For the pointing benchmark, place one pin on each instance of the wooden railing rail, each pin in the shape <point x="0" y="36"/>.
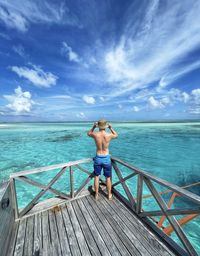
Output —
<point x="136" y="203"/>
<point x="24" y="176"/>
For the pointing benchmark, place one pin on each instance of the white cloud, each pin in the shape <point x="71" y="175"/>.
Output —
<point x="136" y="109"/>
<point x="196" y="95"/>
<point x="19" y="16"/>
<point x="13" y="19"/>
<point x="150" y="49"/>
<point x="19" y="49"/>
<point x="36" y="75"/>
<point x="89" y="99"/>
<point x="154" y="104"/>
<point x="20" y="102"/>
<point x="81" y="115"/>
<point x="65" y="97"/>
<point x="71" y="55"/>
<point x="120" y="106"/>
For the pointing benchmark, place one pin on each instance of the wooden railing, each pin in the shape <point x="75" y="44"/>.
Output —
<point x="135" y="203"/>
<point x="68" y="167"/>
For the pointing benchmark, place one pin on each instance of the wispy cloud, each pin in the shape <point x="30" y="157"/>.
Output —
<point x="19" y="49"/>
<point x="20" y="102"/>
<point x="36" y="75"/>
<point x="70" y="54"/>
<point x="152" y="51"/>
<point x="20" y="16"/>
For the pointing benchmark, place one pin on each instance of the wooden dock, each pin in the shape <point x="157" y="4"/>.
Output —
<point x="86" y="227"/>
<point x="77" y="224"/>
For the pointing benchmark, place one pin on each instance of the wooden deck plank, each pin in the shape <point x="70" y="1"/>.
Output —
<point x="46" y="240"/>
<point x="75" y="251"/>
<point x="86" y="230"/>
<point x="98" y="232"/>
<point x="117" y="228"/>
<point x="131" y="234"/>
<point x="64" y="242"/>
<point x="78" y="232"/>
<point x="54" y="234"/>
<point x="135" y="229"/>
<point x="37" y="243"/>
<point x="102" y="224"/>
<point x="19" y="247"/>
<point x="152" y="239"/>
<point x="28" y="244"/>
<point x="85" y="226"/>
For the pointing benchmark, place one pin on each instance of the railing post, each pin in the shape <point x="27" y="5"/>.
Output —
<point x="139" y="193"/>
<point x="71" y="182"/>
<point x="14" y="198"/>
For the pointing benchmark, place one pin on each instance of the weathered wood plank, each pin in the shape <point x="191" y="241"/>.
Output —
<point x="64" y="243"/>
<point x="48" y="168"/>
<point x="125" y="187"/>
<point x="13" y="239"/>
<point x="152" y="239"/>
<point x="14" y="198"/>
<point x="100" y="235"/>
<point x="46" y="240"/>
<point x="41" y="193"/>
<point x="79" y="235"/>
<point x="94" y="250"/>
<point x="37" y="243"/>
<point x="195" y="198"/>
<point x="104" y="226"/>
<point x="54" y="234"/>
<point x="39" y="185"/>
<point x="124" y="179"/>
<point x="172" y="220"/>
<point x="137" y="243"/>
<point x="71" y="182"/>
<point x="82" y="169"/>
<point x="135" y="230"/>
<point x="74" y="247"/>
<point x="116" y="225"/>
<point x="169" y="212"/>
<point x="139" y="194"/>
<point x="81" y="188"/>
<point x="28" y="243"/>
<point x="19" y="247"/>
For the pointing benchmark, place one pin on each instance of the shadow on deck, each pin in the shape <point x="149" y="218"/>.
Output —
<point x="86" y="227"/>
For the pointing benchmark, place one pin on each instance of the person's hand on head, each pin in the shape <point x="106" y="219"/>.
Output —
<point x="95" y="124"/>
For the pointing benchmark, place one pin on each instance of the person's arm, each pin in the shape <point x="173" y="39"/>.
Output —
<point x="91" y="131"/>
<point x="113" y="132"/>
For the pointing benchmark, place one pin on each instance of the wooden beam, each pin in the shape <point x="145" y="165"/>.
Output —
<point x="51" y="167"/>
<point x="193" y="197"/>
<point x="139" y="193"/>
<point x="39" y="185"/>
<point x="171" y="212"/>
<point x="83" y="185"/>
<point x="125" y="187"/>
<point x="71" y="182"/>
<point x="41" y="193"/>
<point x="124" y="179"/>
<point x="82" y="169"/>
<point x="14" y="198"/>
<point x="172" y="220"/>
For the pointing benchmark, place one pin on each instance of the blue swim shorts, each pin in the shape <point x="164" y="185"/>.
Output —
<point x="102" y="162"/>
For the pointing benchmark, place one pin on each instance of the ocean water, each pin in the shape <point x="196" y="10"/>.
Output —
<point x="168" y="150"/>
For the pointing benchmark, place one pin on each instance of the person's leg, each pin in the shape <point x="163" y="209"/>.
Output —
<point x="96" y="186"/>
<point x="109" y="187"/>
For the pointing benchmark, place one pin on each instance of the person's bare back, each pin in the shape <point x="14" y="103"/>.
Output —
<point x="102" y="158"/>
<point x="102" y="139"/>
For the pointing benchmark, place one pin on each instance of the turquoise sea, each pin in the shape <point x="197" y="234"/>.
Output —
<point x="168" y="150"/>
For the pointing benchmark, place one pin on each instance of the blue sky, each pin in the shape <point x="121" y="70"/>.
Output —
<point x="113" y="59"/>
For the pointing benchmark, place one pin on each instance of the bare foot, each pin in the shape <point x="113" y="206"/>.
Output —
<point x="96" y="196"/>
<point x="110" y="197"/>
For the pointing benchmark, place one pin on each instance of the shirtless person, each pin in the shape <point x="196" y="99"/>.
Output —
<point x="102" y="159"/>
